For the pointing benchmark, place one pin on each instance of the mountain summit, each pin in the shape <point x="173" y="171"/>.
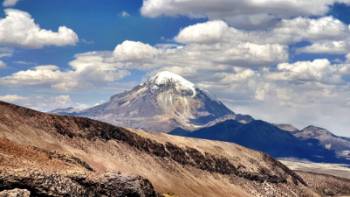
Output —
<point x="162" y="103"/>
<point x="169" y="79"/>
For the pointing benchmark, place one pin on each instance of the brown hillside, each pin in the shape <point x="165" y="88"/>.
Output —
<point x="174" y="165"/>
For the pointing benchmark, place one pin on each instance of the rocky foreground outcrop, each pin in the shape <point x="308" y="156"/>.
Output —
<point x="30" y="171"/>
<point x="41" y="183"/>
<point x="15" y="193"/>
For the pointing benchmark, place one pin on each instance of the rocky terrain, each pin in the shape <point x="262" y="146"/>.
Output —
<point x="49" y="155"/>
<point x="327" y="185"/>
<point x="30" y="171"/>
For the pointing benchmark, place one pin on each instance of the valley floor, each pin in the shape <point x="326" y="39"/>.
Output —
<point x="337" y="170"/>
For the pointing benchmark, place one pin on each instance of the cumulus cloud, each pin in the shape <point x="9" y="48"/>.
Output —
<point x="44" y="74"/>
<point x="211" y="48"/>
<point x="326" y="47"/>
<point x="239" y="75"/>
<point x="299" y="29"/>
<point x="134" y="51"/>
<point x="320" y="70"/>
<point x="19" y="29"/>
<point x="203" y="48"/>
<point x="82" y="75"/>
<point x="286" y="31"/>
<point x="216" y="41"/>
<point x="248" y="13"/>
<point x="208" y="32"/>
<point x="87" y="69"/>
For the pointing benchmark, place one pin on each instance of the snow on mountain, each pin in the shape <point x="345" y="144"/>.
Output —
<point x="166" y="77"/>
<point x="162" y="103"/>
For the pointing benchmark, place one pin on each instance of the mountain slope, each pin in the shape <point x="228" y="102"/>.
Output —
<point x="176" y="165"/>
<point x="340" y="145"/>
<point x="266" y="137"/>
<point x="164" y="102"/>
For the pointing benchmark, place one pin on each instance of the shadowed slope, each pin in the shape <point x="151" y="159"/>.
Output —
<point x="266" y="137"/>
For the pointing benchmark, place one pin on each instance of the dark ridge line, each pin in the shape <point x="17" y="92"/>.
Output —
<point x="188" y="156"/>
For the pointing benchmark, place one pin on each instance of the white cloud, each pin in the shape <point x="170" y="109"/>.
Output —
<point x="44" y="74"/>
<point x="89" y="69"/>
<point x="84" y="73"/>
<point x="210" y="48"/>
<point x="239" y="75"/>
<point x="215" y="41"/>
<point x="19" y="29"/>
<point x="286" y="31"/>
<point x="319" y="70"/>
<point x="9" y="3"/>
<point x="246" y="13"/>
<point x="209" y="32"/>
<point x="299" y="29"/>
<point x="326" y="47"/>
<point x="134" y="51"/>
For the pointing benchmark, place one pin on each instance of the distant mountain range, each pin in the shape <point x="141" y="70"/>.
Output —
<point x="266" y="137"/>
<point x="341" y="145"/>
<point x="167" y="102"/>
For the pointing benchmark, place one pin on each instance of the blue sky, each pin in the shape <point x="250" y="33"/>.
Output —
<point x="280" y="61"/>
<point x="100" y="26"/>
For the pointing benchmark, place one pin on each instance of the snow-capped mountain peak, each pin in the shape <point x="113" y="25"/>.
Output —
<point x="162" y="103"/>
<point x="166" y="78"/>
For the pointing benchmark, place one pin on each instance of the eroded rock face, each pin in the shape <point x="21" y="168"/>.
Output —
<point x="327" y="185"/>
<point x="184" y="156"/>
<point x="39" y="183"/>
<point x="15" y="193"/>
